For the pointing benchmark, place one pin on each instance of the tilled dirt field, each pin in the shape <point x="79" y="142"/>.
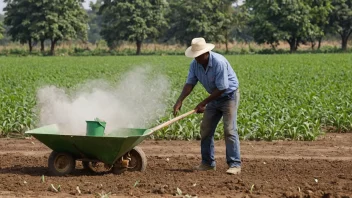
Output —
<point x="321" y="168"/>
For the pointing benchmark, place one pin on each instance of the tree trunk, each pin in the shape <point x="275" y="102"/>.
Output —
<point x="52" y="47"/>
<point x="293" y="45"/>
<point x="313" y="43"/>
<point x="273" y="46"/>
<point x="297" y="44"/>
<point x="30" y="45"/>
<point x="42" y="45"/>
<point x="344" y="36"/>
<point x="319" y="42"/>
<point x="155" y="45"/>
<point x="344" y="43"/>
<point x="139" y="45"/>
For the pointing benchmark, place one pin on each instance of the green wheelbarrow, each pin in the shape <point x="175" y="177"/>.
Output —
<point x="116" y="152"/>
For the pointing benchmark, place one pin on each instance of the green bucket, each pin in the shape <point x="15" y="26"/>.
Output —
<point x="95" y="128"/>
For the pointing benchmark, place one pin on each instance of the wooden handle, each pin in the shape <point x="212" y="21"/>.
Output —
<point x="152" y="130"/>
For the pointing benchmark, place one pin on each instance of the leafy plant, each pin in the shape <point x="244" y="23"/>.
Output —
<point x="295" y="97"/>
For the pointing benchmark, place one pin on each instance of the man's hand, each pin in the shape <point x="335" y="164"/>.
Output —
<point x="187" y="89"/>
<point x="177" y="107"/>
<point x="200" y="108"/>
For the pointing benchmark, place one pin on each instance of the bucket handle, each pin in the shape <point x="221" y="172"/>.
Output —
<point x="102" y="124"/>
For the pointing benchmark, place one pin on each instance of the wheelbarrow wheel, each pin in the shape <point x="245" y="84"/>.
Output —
<point x="137" y="161"/>
<point x="60" y="163"/>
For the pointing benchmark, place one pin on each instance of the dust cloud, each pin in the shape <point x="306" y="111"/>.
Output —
<point x="136" y="100"/>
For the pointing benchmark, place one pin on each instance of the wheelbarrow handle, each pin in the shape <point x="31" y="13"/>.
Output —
<point x="152" y="130"/>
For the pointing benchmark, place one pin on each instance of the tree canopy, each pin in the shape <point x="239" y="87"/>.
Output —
<point x="31" y="20"/>
<point x="2" y="30"/>
<point x="132" y="20"/>
<point x="18" y="17"/>
<point x="341" y="20"/>
<point x="211" y="19"/>
<point x="178" y="21"/>
<point x="94" y="21"/>
<point x="292" y="21"/>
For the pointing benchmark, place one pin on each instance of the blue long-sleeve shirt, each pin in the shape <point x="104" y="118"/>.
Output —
<point x="218" y="74"/>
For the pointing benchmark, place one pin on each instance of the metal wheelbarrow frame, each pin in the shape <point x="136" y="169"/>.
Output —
<point x="117" y="151"/>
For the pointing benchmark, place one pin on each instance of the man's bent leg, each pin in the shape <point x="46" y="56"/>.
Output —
<point x="229" y="109"/>
<point x="210" y="120"/>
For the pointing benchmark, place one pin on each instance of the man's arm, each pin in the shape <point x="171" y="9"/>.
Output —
<point x="187" y="89"/>
<point x="216" y="93"/>
<point x="201" y="106"/>
<point x="221" y="83"/>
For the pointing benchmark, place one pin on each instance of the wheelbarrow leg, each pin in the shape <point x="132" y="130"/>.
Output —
<point x="96" y="166"/>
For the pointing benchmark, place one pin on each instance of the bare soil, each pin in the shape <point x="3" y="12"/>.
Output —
<point x="322" y="168"/>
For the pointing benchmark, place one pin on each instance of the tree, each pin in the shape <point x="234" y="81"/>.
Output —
<point x="320" y="11"/>
<point x="241" y="30"/>
<point x="341" y="20"/>
<point x="27" y="21"/>
<point x="18" y="18"/>
<point x="264" y="31"/>
<point x="65" y="20"/>
<point x="94" y="21"/>
<point x="4" y="39"/>
<point x="224" y="17"/>
<point x="32" y="20"/>
<point x="39" y="27"/>
<point x="132" y="20"/>
<point x="2" y="29"/>
<point x="211" y="19"/>
<point x="277" y="20"/>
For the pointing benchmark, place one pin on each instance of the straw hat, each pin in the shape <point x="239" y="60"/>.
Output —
<point x="199" y="47"/>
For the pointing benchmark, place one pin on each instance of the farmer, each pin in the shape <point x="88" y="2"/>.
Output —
<point x="215" y="73"/>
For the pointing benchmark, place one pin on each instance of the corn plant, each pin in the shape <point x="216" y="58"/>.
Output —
<point x="282" y="97"/>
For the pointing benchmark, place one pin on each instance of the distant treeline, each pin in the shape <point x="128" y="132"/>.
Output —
<point x="295" y="22"/>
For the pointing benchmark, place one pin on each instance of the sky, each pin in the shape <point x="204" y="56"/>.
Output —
<point x="85" y="4"/>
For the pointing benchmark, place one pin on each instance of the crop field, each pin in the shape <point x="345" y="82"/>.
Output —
<point x="282" y="96"/>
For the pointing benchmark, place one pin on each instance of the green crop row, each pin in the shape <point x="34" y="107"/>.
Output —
<point x="282" y="96"/>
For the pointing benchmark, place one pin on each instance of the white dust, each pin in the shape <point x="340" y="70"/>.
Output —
<point x="134" y="102"/>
